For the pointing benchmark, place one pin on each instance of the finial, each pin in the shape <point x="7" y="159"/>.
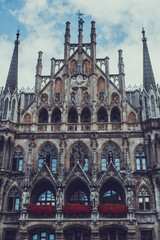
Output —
<point x="143" y="33"/>
<point x="17" y="34"/>
<point x="80" y="20"/>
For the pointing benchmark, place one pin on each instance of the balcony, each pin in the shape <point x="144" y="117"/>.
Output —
<point x="70" y="127"/>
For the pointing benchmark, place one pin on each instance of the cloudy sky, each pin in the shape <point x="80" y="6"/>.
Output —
<point x="42" y="25"/>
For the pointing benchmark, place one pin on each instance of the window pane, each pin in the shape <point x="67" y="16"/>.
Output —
<point x="20" y="164"/>
<point x="10" y="234"/>
<point x="144" y="163"/>
<point x="40" y="163"/>
<point x="54" y="164"/>
<point x="103" y="164"/>
<point x="16" y="204"/>
<point x="35" y="237"/>
<point x="138" y="163"/>
<point x="85" y="164"/>
<point x="51" y="236"/>
<point x="146" y="235"/>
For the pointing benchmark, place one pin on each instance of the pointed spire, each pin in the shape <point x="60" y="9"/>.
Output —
<point x="12" y="79"/>
<point x="148" y="77"/>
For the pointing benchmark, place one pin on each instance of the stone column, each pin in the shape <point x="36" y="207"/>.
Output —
<point x="4" y="154"/>
<point x="11" y="155"/>
<point x="152" y="137"/>
<point x="146" y="142"/>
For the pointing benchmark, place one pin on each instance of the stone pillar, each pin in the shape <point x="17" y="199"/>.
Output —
<point x="146" y="142"/>
<point x="59" y="234"/>
<point x="4" y="154"/>
<point x="95" y="234"/>
<point x="49" y="116"/>
<point x="11" y="155"/>
<point x="153" y="152"/>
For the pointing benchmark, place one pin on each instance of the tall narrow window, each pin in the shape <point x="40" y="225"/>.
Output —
<point x="73" y="96"/>
<point x="110" y="153"/>
<point x="144" y="199"/>
<point x="146" y="107"/>
<point x="17" y="163"/>
<point x="13" y="109"/>
<point x="86" y="96"/>
<point x="14" y="200"/>
<point x="5" y="109"/>
<point x="10" y="234"/>
<point x="26" y="101"/>
<point x="153" y="107"/>
<point x="101" y="96"/>
<point x="140" y="158"/>
<point x="146" y="235"/>
<point x="43" y="116"/>
<point x="58" y="96"/>
<point x="48" y="154"/>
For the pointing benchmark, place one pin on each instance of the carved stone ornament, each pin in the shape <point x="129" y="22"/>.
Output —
<point x="79" y="81"/>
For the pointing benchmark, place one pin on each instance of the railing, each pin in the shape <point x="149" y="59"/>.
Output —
<point x="70" y="127"/>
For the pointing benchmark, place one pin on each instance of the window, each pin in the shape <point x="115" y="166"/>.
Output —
<point x="146" y="107"/>
<point x="26" y="101"/>
<point x="85" y="115"/>
<point x="14" y="200"/>
<point x="80" y="153"/>
<point x="58" y="96"/>
<point x="77" y="234"/>
<point x="111" y="196"/>
<point x="86" y="96"/>
<point x="5" y="109"/>
<point x="43" y="116"/>
<point x="153" y="107"/>
<point x="101" y="96"/>
<point x="42" y="234"/>
<point x="140" y="158"/>
<point x="110" y="153"/>
<point x="115" y="115"/>
<point x="10" y="234"/>
<point x="113" y="234"/>
<point x="72" y="116"/>
<point x="48" y="154"/>
<point x="47" y="197"/>
<point x="77" y="193"/>
<point x="146" y="235"/>
<point x="144" y="199"/>
<point x="56" y="116"/>
<point x="17" y="163"/>
<point x="13" y="109"/>
<point x="73" y="96"/>
<point x="102" y="115"/>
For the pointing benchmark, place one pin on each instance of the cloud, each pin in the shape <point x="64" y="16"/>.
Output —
<point x="118" y="26"/>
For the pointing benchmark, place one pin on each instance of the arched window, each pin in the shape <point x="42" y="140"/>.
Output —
<point x="115" y="115"/>
<point x="43" y="116"/>
<point x="80" y="153"/>
<point x="77" y="193"/>
<point x="113" y="233"/>
<point x="77" y="233"/>
<point x="101" y="96"/>
<point x="13" y="109"/>
<point x="86" y="67"/>
<point x="140" y="158"/>
<point x="72" y="116"/>
<point x="5" y="109"/>
<point x="56" y="116"/>
<point x="48" y="154"/>
<point x="42" y="233"/>
<point x="73" y="67"/>
<point x="14" y="200"/>
<point x="146" y="107"/>
<point x="144" y="199"/>
<point x="86" y="96"/>
<point x="73" y="96"/>
<point x="85" y="115"/>
<point x="58" y="96"/>
<point x="110" y="153"/>
<point x="47" y="197"/>
<point x="17" y="163"/>
<point x="153" y="107"/>
<point x="102" y="115"/>
<point x="112" y="192"/>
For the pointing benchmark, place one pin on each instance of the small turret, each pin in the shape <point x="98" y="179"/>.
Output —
<point x="121" y="72"/>
<point x="93" y="46"/>
<point x="67" y="42"/>
<point x="38" y="73"/>
<point x="12" y="79"/>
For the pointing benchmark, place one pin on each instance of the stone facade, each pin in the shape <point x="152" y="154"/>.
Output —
<point x="80" y="138"/>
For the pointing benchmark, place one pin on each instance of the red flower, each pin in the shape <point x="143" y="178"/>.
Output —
<point x="113" y="210"/>
<point x="77" y="210"/>
<point x="41" y="210"/>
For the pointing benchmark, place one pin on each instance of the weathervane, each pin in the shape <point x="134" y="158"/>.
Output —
<point x="80" y="20"/>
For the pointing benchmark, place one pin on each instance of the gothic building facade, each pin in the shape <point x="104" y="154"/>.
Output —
<point x="80" y="156"/>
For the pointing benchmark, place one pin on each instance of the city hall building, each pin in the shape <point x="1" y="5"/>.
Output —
<point x="80" y="156"/>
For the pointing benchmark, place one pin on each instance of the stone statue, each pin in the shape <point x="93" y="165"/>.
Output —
<point x="94" y="198"/>
<point x="80" y="23"/>
<point x="130" y="198"/>
<point x="59" y="198"/>
<point x="25" y="198"/>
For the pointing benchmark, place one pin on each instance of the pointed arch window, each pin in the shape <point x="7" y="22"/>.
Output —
<point x="47" y="197"/>
<point x="85" y="115"/>
<point x="43" y="116"/>
<point x="80" y="153"/>
<point x="14" y="200"/>
<point x="102" y="115"/>
<point x="146" y="107"/>
<point x="144" y="199"/>
<point x="72" y="116"/>
<point x="48" y="154"/>
<point x="56" y="116"/>
<point x="110" y="153"/>
<point x="153" y="107"/>
<point x="26" y="101"/>
<point x="17" y="163"/>
<point x="58" y="96"/>
<point x="115" y="115"/>
<point x="5" y="109"/>
<point x="13" y="109"/>
<point x="86" y="96"/>
<point x="140" y="158"/>
<point x="101" y="96"/>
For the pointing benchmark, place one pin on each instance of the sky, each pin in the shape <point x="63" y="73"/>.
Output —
<point x="42" y="26"/>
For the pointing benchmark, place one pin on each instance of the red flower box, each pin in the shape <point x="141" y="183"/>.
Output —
<point x="41" y="210"/>
<point x="77" y="210"/>
<point x="113" y="210"/>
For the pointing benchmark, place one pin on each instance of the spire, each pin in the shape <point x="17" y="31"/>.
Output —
<point x="80" y="28"/>
<point x="148" y="77"/>
<point x="12" y="79"/>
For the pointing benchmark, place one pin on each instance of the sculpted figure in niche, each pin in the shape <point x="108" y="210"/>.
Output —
<point x="59" y="198"/>
<point x="130" y="198"/>
<point x="25" y="198"/>
<point x="27" y="119"/>
<point x="94" y="198"/>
